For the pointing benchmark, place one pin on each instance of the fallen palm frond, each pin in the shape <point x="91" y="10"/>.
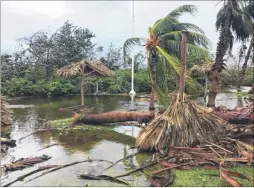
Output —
<point x="103" y="177"/>
<point x="5" y="113"/>
<point x="226" y="175"/>
<point x="127" y="157"/>
<point x="20" y="178"/>
<point x="184" y="123"/>
<point x="24" y="163"/>
<point x="67" y="165"/>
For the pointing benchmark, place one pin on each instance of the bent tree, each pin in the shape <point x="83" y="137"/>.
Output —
<point x="249" y="15"/>
<point x="163" y="47"/>
<point x="230" y="22"/>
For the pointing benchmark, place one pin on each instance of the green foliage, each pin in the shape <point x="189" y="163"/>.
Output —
<point x="231" y="77"/>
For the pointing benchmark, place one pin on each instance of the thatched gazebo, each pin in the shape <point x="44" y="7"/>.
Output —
<point x="85" y="68"/>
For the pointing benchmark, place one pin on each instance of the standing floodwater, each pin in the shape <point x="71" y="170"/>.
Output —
<point x="109" y="143"/>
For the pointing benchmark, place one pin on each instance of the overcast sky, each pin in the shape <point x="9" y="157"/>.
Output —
<point x="111" y="21"/>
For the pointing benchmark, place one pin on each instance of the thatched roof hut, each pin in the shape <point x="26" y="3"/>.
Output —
<point x="84" y="67"/>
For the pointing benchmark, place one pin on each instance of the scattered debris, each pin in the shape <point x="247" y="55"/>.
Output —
<point x="24" y="163"/>
<point x="67" y="165"/>
<point x="48" y="146"/>
<point x="20" y="178"/>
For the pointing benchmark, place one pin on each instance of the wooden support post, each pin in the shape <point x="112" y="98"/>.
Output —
<point x="82" y="89"/>
<point x="97" y="89"/>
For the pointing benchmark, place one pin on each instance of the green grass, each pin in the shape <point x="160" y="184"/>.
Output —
<point x="206" y="178"/>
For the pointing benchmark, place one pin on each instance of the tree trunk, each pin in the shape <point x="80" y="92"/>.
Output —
<point x="82" y="90"/>
<point x="112" y="117"/>
<point x="48" y="72"/>
<point x="152" y="63"/>
<point x="222" y="48"/>
<point x="247" y="57"/>
<point x="236" y="116"/>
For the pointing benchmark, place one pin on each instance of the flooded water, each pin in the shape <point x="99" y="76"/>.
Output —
<point x="111" y="145"/>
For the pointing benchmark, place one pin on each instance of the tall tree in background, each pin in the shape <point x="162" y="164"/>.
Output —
<point x="114" y="57"/>
<point x="249" y="15"/>
<point x="229" y="22"/>
<point x="163" y="47"/>
<point x="68" y="44"/>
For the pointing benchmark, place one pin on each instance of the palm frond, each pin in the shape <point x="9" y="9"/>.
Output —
<point x="187" y="26"/>
<point x="175" y="63"/>
<point x="192" y="37"/>
<point x="130" y="43"/>
<point x="179" y="11"/>
<point x="161" y="90"/>
<point x="162" y="25"/>
<point x="194" y="52"/>
<point x="172" y="61"/>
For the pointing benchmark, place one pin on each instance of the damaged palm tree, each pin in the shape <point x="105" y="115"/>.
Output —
<point x="184" y="123"/>
<point x="5" y="113"/>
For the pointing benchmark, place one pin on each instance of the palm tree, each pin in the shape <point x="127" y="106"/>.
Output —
<point x="249" y="15"/>
<point x="163" y="46"/>
<point x="230" y="22"/>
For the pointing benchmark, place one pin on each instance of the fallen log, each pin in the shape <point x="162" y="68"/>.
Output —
<point x="236" y="116"/>
<point x="111" y="117"/>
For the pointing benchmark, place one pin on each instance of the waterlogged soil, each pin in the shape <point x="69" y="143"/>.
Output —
<point x="91" y="142"/>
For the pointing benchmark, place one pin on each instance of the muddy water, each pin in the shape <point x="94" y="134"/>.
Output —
<point x="111" y="145"/>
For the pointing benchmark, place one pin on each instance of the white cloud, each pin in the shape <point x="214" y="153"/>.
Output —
<point x="53" y="9"/>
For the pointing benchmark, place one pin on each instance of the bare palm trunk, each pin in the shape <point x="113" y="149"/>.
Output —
<point x="183" y="60"/>
<point x="247" y="57"/>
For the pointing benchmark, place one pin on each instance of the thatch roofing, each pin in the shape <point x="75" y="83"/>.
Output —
<point x="91" y="68"/>
<point x="204" y="69"/>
